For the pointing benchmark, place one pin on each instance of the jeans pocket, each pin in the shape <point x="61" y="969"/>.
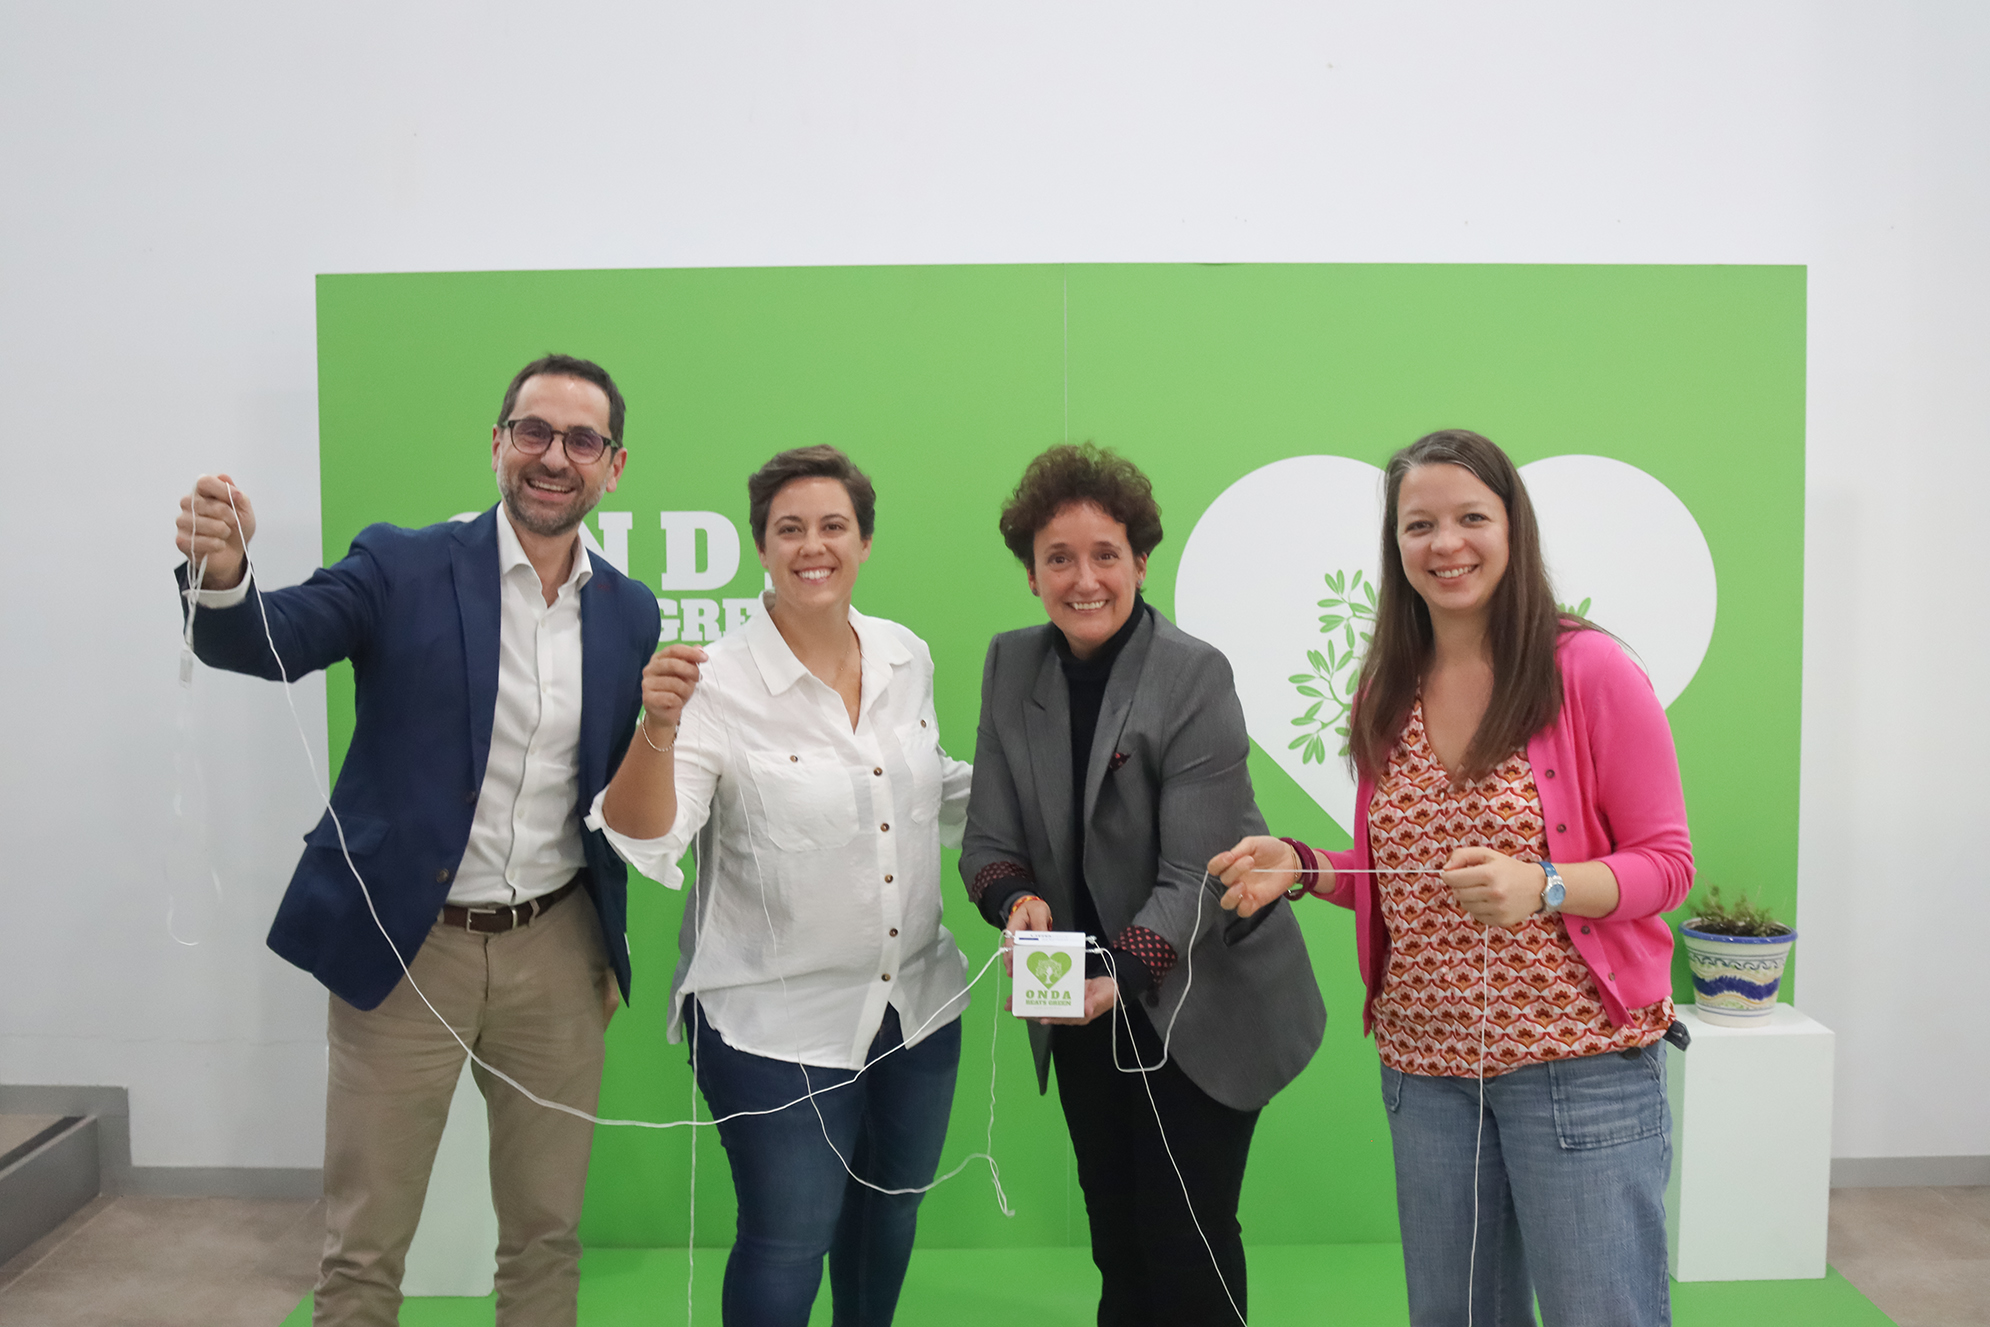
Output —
<point x="1392" y="1089"/>
<point x="1606" y="1100"/>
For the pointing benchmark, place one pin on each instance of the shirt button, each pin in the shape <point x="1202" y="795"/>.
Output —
<point x="795" y="759"/>
<point x="1551" y="774"/>
<point x="886" y="977"/>
<point x="887" y="880"/>
<point x="894" y="932"/>
<point x="1561" y="829"/>
<point x="1613" y="976"/>
<point x="1585" y="930"/>
<point x="442" y="876"/>
<point x="884" y="829"/>
<point x="922" y="723"/>
<point x="878" y="770"/>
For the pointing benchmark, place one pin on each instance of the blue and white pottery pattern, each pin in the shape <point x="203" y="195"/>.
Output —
<point x="1736" y="977"/>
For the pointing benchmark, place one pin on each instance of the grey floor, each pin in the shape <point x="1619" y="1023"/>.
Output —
<point x="1922" y="1255"/>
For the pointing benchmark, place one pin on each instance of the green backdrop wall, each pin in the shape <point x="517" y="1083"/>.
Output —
<point x="942" y="382"/>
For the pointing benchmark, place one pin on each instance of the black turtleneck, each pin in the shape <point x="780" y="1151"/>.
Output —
<point x="1085" y="680"/>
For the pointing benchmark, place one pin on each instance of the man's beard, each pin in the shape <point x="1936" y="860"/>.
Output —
<point x="546" y="525"/>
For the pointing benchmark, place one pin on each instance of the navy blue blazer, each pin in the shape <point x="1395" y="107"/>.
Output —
<point x="416" y="611"/>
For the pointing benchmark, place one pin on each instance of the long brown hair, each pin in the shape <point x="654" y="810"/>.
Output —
<point x="1521" y="629"/>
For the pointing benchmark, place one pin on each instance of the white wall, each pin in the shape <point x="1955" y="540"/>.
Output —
<point x="175" y="175"/>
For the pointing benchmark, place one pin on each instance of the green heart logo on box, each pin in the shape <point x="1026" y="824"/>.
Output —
<point x="1049" y="967"/>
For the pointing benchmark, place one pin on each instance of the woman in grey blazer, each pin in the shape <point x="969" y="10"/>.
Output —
<point x="1109" y="766"/>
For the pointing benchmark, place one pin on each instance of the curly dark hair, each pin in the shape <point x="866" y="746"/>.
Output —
<point x="819" y="462"/>
<point x="1074" y="473"/>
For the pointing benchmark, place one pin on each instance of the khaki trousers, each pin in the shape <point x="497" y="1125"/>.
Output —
<point x="530" y="1002"/>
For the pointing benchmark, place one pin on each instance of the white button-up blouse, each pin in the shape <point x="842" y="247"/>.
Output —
<point x="816" y="901"/>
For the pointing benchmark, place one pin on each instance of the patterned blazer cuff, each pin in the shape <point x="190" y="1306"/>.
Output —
<point x="1007" y="907"/>
<point x="1156" y="955"/>
<point x="984" y="893"/>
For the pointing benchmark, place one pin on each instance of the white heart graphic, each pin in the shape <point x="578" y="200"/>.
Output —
<point x="1292" y="534"/>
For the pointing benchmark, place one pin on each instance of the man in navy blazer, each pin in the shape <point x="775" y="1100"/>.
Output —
<point x="497" y="670"/>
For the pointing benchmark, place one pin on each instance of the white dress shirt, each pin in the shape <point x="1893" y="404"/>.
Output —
<point x="817" y="898"/>
<point x="525" y="839"/>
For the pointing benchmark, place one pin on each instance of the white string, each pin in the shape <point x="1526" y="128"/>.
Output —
<point x="905" y="1040"/>
<point x="1485" y="1021"/>
<point x="1478" y="1143"/>
<point x="1147" y="1083"/>
<point x="196" y="577"/>
<point x="366" y="894"/>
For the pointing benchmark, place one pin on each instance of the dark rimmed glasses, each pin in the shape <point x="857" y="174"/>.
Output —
<point x="533" y="436"/>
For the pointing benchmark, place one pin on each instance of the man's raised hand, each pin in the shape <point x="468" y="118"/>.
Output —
<point x="212" y="526"/>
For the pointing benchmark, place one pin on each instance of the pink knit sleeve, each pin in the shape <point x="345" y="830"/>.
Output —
<point x="1636" y="771"/>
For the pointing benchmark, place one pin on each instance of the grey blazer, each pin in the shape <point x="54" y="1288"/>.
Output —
<point x="1167" y="789"/>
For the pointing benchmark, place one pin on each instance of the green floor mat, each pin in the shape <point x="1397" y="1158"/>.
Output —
<point x="1294" y="1285"/>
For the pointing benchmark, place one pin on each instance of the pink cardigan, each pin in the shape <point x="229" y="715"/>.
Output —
<point x="1608" y="779"/>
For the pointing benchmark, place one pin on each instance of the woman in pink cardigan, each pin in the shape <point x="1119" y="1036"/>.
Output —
<point x="1519" y="827"/>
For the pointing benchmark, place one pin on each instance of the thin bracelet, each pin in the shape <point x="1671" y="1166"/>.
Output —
<point x="1309" y="870"/>
<point x="1022" y="899"/>
<point x="642" y="726"/>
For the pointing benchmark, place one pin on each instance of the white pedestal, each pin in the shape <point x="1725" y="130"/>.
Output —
<point x="455" y="1248"/>
<point x="1750" y="1192"/>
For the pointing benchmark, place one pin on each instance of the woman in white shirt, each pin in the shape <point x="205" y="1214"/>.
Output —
<point x="801" y="754"/>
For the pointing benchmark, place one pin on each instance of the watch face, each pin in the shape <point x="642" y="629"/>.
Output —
<point x="1555" y="893"/>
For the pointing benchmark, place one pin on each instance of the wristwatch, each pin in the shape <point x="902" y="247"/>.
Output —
<point x="1552" y="896"/>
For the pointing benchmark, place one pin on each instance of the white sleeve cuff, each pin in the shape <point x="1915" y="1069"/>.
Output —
<point x="655" y="858"/>
<point x="220" y="598"/>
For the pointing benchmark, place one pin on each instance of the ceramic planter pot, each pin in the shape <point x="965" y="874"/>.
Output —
<point x="1736" y="977"/>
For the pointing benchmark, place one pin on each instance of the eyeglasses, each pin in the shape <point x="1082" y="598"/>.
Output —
<point x="533" y="436"/>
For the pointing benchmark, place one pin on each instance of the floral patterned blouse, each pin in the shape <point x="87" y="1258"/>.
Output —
<point x="1454" y="990"/>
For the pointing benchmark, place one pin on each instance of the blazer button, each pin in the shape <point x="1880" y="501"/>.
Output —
<point x="887" y="879"/>
<point x="442" y="876"/>
<point x="470" y="798"/>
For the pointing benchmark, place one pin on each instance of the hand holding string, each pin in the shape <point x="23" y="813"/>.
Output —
<point x="216" y="524"/>
<point x="1495" y="889"/>
<point x="1256" y="873"/>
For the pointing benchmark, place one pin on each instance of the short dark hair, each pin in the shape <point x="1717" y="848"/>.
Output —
<point x="566" y="366"/>
<point x="819" y="462"/>
<point x="1081" y="472"/>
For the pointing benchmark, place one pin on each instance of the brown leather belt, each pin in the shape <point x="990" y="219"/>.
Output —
<point x="504" y="917"/>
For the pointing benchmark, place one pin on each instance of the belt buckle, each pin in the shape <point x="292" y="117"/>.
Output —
<point x="469" y="913"/>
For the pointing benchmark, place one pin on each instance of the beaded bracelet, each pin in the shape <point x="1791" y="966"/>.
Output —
<point x="1309" y="870"/>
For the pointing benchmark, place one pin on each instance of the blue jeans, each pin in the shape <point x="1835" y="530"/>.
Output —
<point x="796" y="1202"/>
<point x="1571" y="1192"/>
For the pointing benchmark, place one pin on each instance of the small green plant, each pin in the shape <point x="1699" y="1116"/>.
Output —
<point x="1744" y="917"/>
<point x="1573" y="610"/>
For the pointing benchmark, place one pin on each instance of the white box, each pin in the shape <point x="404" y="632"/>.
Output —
<point x="1750" y="1191"/>
<point x="1048" y="972"/>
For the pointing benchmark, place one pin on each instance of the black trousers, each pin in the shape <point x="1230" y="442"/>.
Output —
<point x="1154" y="1266"/>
